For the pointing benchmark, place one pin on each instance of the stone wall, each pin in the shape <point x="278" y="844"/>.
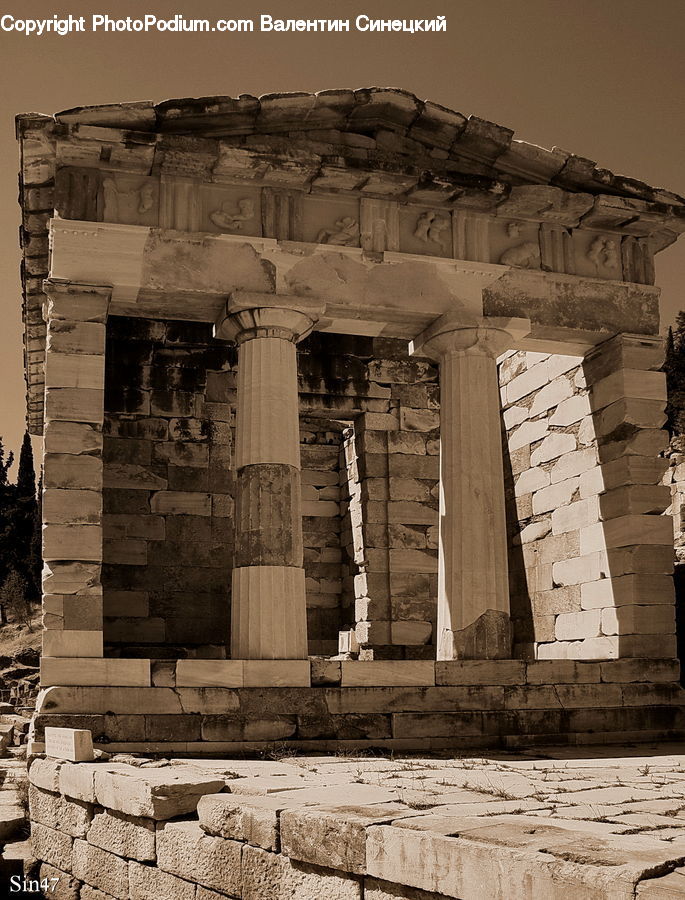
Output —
<point x="168" y="526"/>
<point x="205" y="707"/>
<point x="591" y="554"/>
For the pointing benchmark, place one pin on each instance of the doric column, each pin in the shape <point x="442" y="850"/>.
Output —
<point x="473" y="591"/>
<point x="72" y="469"/>
<point x="268" y="606"/>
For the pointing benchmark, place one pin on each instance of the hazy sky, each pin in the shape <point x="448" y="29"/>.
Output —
<point x="602" y="78"/>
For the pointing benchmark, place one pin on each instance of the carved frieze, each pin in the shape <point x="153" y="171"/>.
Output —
<point x="231" y="210"/>
<point x="515" y="244"/>
<point x="426" y="231"/>
<point x="598" y="255"/>
<point x="541" y="239"/>
<point x="331" y="220"/>
<point x="129" y="200"/>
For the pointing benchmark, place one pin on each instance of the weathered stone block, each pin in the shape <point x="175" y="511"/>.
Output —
<point x="624" y="532"/>
<point x="102" y="870"/>
<point x="332" y="836"/>
<point x="527" y="434"/>
<point x="393" y="672"/>
<point x="636" y="670"/>
<point x="181" y="503"/>
<point x="151" y="883"/>
<point x="554" y="496"/>
<point x="132" y="837"/>
<point x="635" y="499"/>
<point x="476" y="671"/>
<point x="62" y="470"/>
<point x="577" y="626"/>
<point x="51" y="846"/>
<point x="73" y="507"/>
<point x="184" y="849"/>
<point x="56" y="812"/>
<point x="155" y="794"/>
<point x="74" y="404"/>
<point x="418" y="419"/>
<point x="254" y="819"/>
<point x="574" y="463"/>
<point x="628" y="383"/>
<point x="62" y="886"/>
<point x="570" y="411"/>
<point x="279" y="878"/>
<point x="44" y="774"/>
<point x="69" y="542"/>
<point x="531" y="480"/>
<point x="629" y="411"/>
<point x="77" y="644"/>
<point x="562" y="671"/>
<point x="76" y="337"/>
<point x="121" y="672"/>
<point x="553" y="446"/>
<point x="639" y="620"/>
<point x="577" y="515"/>
<point x="72" y="438"/>
<point x="627" y="589"/>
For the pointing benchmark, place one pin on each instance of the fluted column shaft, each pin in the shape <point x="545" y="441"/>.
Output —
<point x="268" y="611"/>
<point x="473" y="589"/>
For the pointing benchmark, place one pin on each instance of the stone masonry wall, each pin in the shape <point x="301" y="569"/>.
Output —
<point x="168" y="527"/>
<point x="389" y="494"/>
<point x="590" y="555"/>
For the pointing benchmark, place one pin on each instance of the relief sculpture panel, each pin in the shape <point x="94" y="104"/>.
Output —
<point x="231" y="210"/>
<point x="426" y="231"/>
<point x="129" y="200"/>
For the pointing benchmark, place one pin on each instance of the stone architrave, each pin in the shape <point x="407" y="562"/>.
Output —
<point x="76" y="317"/>
<point x="268" y="606"/>
<point x="473" y="590"/>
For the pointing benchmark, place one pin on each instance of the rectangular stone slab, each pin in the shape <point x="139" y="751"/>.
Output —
<point x="74" y="744"/>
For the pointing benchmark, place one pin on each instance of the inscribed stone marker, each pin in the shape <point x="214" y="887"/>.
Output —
<point x="75" y="744"/>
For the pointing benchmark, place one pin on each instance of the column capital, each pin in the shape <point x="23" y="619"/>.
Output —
<point x="77" y="302"/>
<point x="251" y="315"/>
<point x="489" y="336"/>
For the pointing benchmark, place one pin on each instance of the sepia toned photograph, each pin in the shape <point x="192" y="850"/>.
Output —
<point x="342" y="450"/>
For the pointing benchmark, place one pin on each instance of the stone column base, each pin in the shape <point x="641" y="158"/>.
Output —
<point x="268" y="613"/>
<point x="489" y="637"/>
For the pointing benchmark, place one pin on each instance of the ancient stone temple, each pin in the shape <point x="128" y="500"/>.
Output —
<point x="352" y="414"/>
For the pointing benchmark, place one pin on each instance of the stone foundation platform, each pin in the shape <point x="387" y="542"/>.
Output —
<point x="419" y="705"/>
<point x="554" y="824"/>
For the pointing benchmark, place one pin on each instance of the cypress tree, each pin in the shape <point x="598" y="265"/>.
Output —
<point x="7" y="493"/>
<point x="25" y="523"/>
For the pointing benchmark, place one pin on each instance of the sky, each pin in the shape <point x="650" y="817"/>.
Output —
<point x="604" y="79"/>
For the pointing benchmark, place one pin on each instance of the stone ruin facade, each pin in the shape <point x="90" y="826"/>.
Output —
<point x="353" y="429"/>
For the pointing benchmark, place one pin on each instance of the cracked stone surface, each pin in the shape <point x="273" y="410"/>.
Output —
<point x="613" y="825"/>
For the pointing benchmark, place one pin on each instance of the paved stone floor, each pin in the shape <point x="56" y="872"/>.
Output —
<point x="616" y="812"/>
<point x="636" y="790"/>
